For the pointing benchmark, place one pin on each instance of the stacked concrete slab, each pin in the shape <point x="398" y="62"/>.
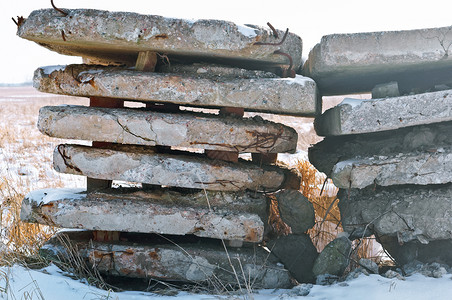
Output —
<point x="390" y="155"/>
<point x="191" y="181"/>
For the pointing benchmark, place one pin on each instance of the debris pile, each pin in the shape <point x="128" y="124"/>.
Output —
<point x="391" y="156"/>
<point x="197" y="212"/>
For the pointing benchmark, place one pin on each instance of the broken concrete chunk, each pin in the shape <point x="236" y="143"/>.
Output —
<point x="431" y="138"/>
<point x="334" y="258"/>
<point x="295" y="210"/>
<point x="411" y="168"/>
<point x="297" y="253"/>
<point x="169" y="169"/>
<point x="160" y="211"/>
<point x="292" y="96"/>
<point x="407" y="212"/>
<point x="352" y="63"/>
<point x="196" y="261"/>
<point x="355" y="116"/>
<point x="119" y="36"/>
<point x="142" y="127"/>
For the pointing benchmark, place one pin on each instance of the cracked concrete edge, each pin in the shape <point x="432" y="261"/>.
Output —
<point x="184" y="129"/>
<point x="356" y="116"/>
<point x="170" y="170"/>
<point x="98" y="34"/>
<point x="148" y="212"/>
<point x="412" y="168"/>
<point x="292" y="96"/>
<point x="199" y="261"/>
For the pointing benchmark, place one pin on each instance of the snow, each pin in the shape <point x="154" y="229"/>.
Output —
<point x="353" y="102"/>
<point x="300" y="80"/>
<point x="49" y="69"/>
<point x="246" y="31"/>
<point x="44" y="196"/>
<point x="51" y="283"/>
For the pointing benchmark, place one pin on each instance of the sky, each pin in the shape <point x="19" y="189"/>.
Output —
<point x="310" y="19"/>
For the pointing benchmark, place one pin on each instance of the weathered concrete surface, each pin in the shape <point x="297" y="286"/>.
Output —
<point x="423" y="168"/>
<point x="136" y="165"/>
<point x="198" y="261"/>
<point x="119" y="36"/>
<point x="334" y="258"/>
<point x="355" y="116"/>
<point x="297" y="253"/>
<point x="295" y="210"/>
<point x="142" y="127"/>
<point x="407" y="212"/>
<point x="435" y="251"/>
<point x="160" y="211"/>
<point x="351" y="63"/>
<point x="293" y="96"/>
<point x="426" y="138"/>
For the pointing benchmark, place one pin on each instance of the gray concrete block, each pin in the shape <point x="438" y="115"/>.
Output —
<point x="334" y="258"/>
<point x="184" y="129"/>
<point x="137" y="165"/>
<point x="293" y="96"/>
<point x="407" y="213"/>
<point x="119" y="36"/>
<point x="424" y="138"/>
<point x="353" y="63"/>
<point x="230" y="216"/>
<point x="404" y="168"/>
<point x="196" y="261"/>
<point x="355" y="116"/>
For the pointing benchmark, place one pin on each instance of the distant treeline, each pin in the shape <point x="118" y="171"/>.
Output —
<point x="16" y="84"/>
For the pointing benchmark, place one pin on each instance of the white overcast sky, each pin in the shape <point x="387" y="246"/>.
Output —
<point x="310" y="19"/>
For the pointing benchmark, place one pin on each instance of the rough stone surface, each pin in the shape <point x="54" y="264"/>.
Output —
<point x="355" y="116"/>
<point x="334" y="258"/>
<point x="426" y="138"/>
<point x="141" y="127"/>
<point x="297" y="253"/>
<point x="138" y="165"/>
<point x="119" y="36"/>
<point x="240" y="216"/>
<point x="423" y="168"/>
<point x="353" y="63"/>
<point x="435" y="251"/>
<point x="407" y="213"/>
<point x="293" y="96"/>
<point x="199" y="261"/>
<point x="295" y="210"/>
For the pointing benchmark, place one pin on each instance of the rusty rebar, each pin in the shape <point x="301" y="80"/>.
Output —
<point x="58" y="9"/>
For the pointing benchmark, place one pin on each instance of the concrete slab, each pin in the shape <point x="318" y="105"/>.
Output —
<point x="408" y="213"/>
<point x="292" y="96"/>
<point x="403" y="168"/>
<point x="417" y="139"/>
<point x="353" y="63"/>
<point x="355" y="116"/>
<point x="119" y="36"/>
<point x="241" y="216"/>
<point x="137" y="165"/>
<point x="199" y="261"/>
<point x="184" y="129"/>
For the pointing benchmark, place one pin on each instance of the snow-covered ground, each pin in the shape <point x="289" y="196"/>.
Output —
<point x="51" y="283"/>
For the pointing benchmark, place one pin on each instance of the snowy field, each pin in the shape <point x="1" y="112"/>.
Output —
<point x="25" y="161"/>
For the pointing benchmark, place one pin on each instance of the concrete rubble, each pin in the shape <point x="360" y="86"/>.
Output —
<point x="294" y="96"/>
<point x="192" y="188"/>
<point x="153" y="257"/>
<point x="390" y="155"/>
<point x="418" y="60"/>
<point x="142" y="127"/>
